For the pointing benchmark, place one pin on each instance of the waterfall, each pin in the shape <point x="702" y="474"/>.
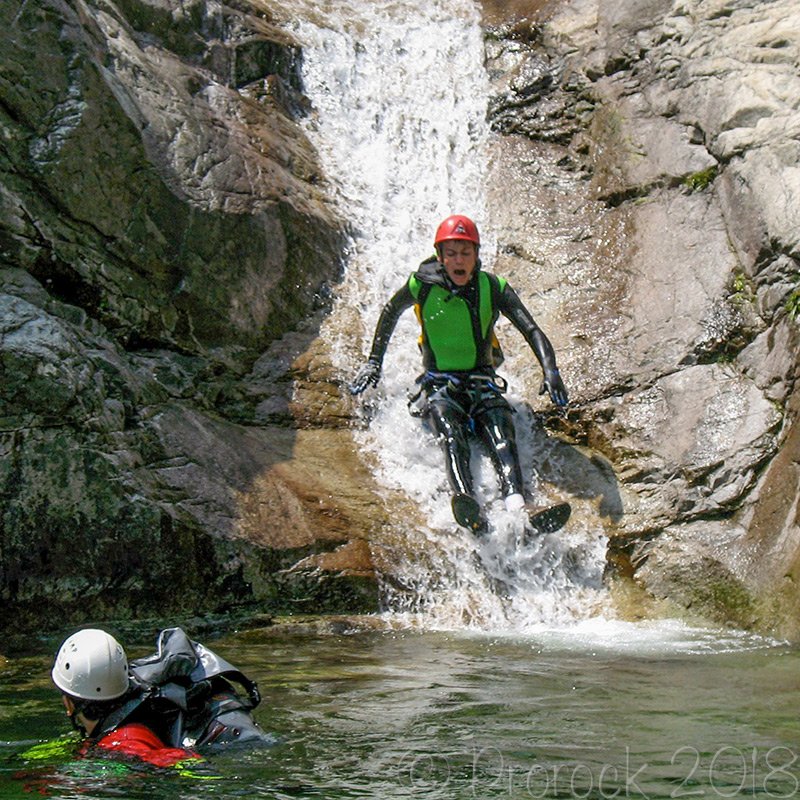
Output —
<point x="399" y="95"/>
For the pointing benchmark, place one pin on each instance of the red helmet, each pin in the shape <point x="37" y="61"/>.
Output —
<point x="457" y="227"/>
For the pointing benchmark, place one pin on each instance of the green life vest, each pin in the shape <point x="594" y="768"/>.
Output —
<point x="457" y="336"/>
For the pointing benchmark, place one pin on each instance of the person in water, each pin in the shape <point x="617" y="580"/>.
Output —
<point x="159" y="709"/>
<point x="457" y="304"/>
<point x="91" y="671"/>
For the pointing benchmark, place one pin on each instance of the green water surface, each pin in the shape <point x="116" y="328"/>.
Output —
<point x="591" y="712"/>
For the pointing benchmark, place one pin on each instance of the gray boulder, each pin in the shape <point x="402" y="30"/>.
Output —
<point x="672" y="238"/>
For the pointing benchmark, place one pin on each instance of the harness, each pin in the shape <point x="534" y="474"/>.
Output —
<point x="470" y="392"/>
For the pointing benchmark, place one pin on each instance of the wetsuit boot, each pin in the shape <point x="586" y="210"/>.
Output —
<point x="541" y="519"/>
<point x="467" y="513"/>
<point x="548" y="519"/>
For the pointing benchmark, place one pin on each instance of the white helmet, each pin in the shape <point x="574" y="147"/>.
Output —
<point x="91" y="665"/>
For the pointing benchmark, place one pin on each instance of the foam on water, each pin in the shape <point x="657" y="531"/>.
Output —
<point x="652" y="638"/>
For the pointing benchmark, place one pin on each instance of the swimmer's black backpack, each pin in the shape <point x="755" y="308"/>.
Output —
<point x="188" y="695"/>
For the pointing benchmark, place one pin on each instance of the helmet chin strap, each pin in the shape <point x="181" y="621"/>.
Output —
<point x="76" y="724"/>
<point x="78" y="708"/>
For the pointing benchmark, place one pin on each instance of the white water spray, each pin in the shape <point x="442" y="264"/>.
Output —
<point x="399" y="93"/>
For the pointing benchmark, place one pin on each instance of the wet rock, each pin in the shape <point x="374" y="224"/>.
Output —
<point x="170" y="206"/>
<point x="704" y="432"/>
<point x="663" y="235"/>
<point x="163" y="221"/>
<point x="686" y="565"/>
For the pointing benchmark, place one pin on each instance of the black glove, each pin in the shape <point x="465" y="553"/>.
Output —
<point x="554" y="386"/>
<point x="367" y="376"/>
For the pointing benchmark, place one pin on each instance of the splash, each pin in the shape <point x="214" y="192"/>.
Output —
<point x="399" y="93"/>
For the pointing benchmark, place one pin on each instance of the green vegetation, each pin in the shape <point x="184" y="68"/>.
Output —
<point x="793" y="305"/>
<point x="699" y="181"/>
<point x="725" y="599"/>
<point x="742" y="289"/>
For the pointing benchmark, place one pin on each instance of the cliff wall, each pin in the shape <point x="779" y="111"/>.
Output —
<point x="163" y="223"/>
<point x="662" y="229"/>
<point x="174" y="437"/>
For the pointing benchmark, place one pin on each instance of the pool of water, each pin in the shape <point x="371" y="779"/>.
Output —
<point x="599" y="710"/>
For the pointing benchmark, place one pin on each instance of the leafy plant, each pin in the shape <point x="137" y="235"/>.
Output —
<point x="742" y="290"/>
<point x="793" y="305"/>
<point x="698" y="181"/>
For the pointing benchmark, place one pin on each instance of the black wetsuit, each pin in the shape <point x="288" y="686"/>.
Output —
<point x="463" y="401"/>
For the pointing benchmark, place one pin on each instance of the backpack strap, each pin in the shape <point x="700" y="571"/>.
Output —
<point x="120" y="714"/>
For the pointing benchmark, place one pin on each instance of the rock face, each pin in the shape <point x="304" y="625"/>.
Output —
<point x="162" y="224"/>
<point x="173" y="438"/>
<point x="663" y="228"/>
